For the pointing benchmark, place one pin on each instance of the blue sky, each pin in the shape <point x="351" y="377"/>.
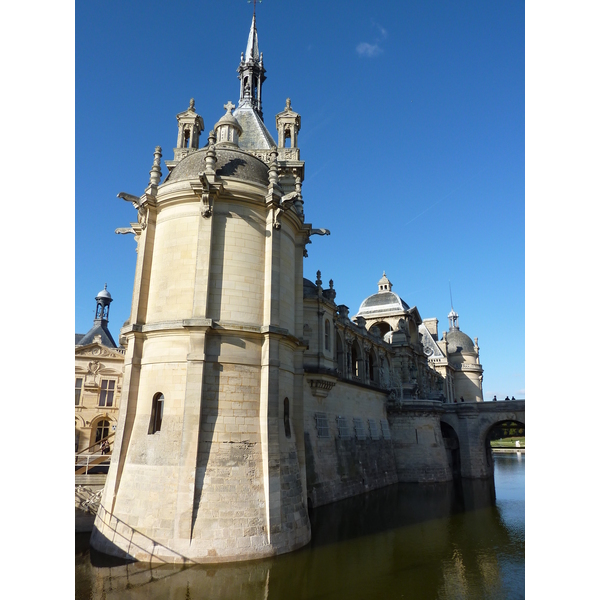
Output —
<point x="413" y="133"/>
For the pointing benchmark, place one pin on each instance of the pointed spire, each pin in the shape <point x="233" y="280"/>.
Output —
<point x="251" y="73"/>
<point x="252" y="46"/>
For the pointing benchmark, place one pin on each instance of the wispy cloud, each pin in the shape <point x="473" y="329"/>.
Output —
<point x="370" y="50"/>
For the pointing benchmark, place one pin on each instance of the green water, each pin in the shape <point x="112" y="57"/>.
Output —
<point x="425" y="541"/>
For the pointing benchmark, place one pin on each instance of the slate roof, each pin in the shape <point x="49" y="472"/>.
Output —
<point x="100" y="328"/>
<point x="459" y="342"/>
<point x="231" y="162"/>
<point x="255" y="135"/>
<point x="382" y="302"/>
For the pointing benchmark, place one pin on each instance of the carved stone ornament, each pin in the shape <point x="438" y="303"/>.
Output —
<point x="94" y="368"/>
<point x="320" y="387"/>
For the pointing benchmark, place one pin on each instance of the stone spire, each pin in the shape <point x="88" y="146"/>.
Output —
<point x="251" y="73"/>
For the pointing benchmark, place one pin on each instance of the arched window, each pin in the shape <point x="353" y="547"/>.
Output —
<point x="157" y="413"/>
<point x="102" y="430"/>
<point x="286" y="418"/>
<point x="327" y="333"/>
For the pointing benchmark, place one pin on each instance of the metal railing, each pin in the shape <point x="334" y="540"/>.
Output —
<point x="85" y="462"/>
<point x="96" y="445"/>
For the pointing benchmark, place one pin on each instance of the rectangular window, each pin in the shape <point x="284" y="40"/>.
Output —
<point x="78" y="384"/>
<point x="322" y="425"/>
<point x="107" y="391"/>
<point x="359" y="427"/>
<point x="343" y="429"/>
<point x="373" y="429"/>
<point x="385" y="429"/>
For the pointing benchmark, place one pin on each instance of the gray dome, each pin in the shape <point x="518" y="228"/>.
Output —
<point x="382" y="302"/>
<point x="104" y="294"/>
<point x="309" y="288"/>
<point x="459" y="342"/>
<point x="231" y="162"/>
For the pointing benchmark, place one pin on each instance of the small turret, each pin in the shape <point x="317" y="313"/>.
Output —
<point x="385" y="285"/>
<point x="227" y="129"/>
<point x="103" y="300"/>
<point x="288" y="126"/>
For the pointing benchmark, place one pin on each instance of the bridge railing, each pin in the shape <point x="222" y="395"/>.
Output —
<point x="96" y="446"/>
<point x="85" y="462"/>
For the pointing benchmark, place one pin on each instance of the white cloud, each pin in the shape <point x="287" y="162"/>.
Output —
<point x="369" y="50"/>
<point x="382" y="31"/>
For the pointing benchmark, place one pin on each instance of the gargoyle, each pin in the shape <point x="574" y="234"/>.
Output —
<point x="320" y="231"/>
<point x="289" y="199"/>
<point x="125" y="230"/>
<point x="130" y="198"/>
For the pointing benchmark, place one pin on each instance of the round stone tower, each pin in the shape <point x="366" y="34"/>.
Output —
<point x="463" y="356"/>
<point x="208" y="462"/>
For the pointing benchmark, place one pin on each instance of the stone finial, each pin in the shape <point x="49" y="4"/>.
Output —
<point x="192" y="105"/>
<point x="273" y="172"/>
<point x="155" y="172"/>
<point x="229" y="106"/>
<point x="288" y="104"/>
<point x="210" y="158"/>
<point x="318" y="281"/>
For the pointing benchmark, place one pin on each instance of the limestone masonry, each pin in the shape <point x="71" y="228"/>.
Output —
<point x="248" y="395"/>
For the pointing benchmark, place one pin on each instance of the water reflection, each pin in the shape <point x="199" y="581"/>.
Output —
<point x="406" y="541"/>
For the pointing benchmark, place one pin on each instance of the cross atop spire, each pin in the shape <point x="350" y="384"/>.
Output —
<point x="254" y="10"/>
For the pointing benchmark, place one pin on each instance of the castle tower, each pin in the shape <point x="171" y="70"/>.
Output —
<point x="208" y="462"/>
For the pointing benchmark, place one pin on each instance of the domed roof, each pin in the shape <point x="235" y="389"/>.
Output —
<point x="309" y="288"/>
<point x="231" y="162"/>
<point x="228" y="119"/>
<point x="104" y="294"/>
<point x="459" y="342"/>
<point x="382" y="302"/>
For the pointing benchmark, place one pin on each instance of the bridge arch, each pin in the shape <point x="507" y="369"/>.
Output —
<point x="474" y="424"/>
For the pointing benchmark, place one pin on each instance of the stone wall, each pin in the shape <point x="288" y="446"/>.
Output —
<point x="338" y="463"/>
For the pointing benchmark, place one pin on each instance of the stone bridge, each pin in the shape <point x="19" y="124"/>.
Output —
<point x="436" y="442"/>
<point x="470" y="425"/>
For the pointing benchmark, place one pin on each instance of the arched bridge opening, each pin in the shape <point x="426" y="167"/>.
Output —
<point x="452" y="445"/>
<point x="477" y="428"/>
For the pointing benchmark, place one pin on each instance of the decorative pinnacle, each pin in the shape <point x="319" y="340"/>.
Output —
<point x="155" y="172"/>
<point x="192" y="105"/>
<point x="318" y="281"/>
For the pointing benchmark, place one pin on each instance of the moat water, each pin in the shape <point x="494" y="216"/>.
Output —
<point x="424" y="541"/>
